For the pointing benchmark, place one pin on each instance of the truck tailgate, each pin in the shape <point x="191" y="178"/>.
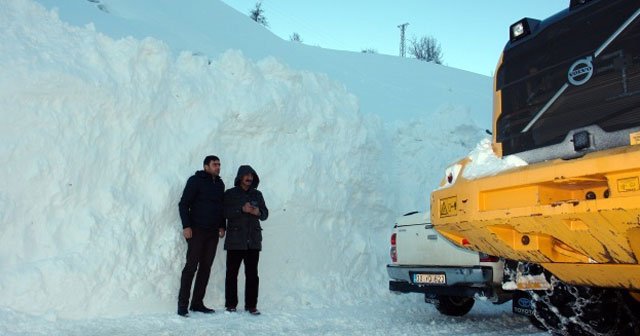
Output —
<point x="419" y="244"/>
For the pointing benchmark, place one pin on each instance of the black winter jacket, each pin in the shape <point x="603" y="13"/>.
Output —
<point x="243" y="230"/>
<point x="202" y="204"/>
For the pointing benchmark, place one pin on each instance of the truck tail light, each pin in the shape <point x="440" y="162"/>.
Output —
<point x="394" y="251"/>
<point x="488" y="258"/>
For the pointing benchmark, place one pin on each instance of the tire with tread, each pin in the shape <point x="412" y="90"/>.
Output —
<point x="454" y="305"/>
<point x="583" y="311"/>
<point x="536" y="323"/>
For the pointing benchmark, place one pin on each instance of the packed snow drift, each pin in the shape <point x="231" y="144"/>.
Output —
<point x="99" y="134"/>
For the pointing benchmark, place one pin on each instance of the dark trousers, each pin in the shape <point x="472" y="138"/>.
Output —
<point x="234" y="259"/>
<point x="201" y="250"/>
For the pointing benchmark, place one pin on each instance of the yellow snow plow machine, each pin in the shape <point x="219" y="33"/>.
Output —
<point x="566" y="102"/>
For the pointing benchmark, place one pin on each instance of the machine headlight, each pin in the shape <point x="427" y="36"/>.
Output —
<point x="581" y="141"/>
<point x="517" y="30"/>
<point x="522" y="28"/>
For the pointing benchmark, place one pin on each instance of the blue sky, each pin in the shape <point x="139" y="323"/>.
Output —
<point x="471" y="33"/>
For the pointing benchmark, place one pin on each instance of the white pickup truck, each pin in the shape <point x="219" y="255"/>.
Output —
<point x="452" y="278"/>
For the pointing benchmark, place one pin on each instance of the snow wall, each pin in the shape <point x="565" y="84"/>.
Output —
<point x="98" y="137"/>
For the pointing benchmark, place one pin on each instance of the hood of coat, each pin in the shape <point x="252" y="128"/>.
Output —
<point x="244" y="170"/>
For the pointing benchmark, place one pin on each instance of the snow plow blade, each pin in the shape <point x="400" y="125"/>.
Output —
<point x="580" y="218"/>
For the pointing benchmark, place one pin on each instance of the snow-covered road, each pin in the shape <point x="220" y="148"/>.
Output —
<point x="382" y="318"/>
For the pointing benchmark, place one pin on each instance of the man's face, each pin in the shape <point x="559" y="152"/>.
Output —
<point x="247" y="180"/>
<point x="213" y="168"/>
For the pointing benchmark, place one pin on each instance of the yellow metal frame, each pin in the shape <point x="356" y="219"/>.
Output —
<point x="543" y="213"/>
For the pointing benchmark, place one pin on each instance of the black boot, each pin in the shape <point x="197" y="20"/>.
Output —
<point x="253" y="311"/>
<point x="182" y="311"/>
<point x="202" y="309"/>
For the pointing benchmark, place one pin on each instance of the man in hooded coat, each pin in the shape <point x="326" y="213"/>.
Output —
<point x="244" y="208"/>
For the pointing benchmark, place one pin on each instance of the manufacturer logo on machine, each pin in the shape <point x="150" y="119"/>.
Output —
<point x="581" y="71"/>
<point x="524" y="303"/>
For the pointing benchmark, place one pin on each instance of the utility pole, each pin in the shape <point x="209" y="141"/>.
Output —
<point x="402" y="29"/>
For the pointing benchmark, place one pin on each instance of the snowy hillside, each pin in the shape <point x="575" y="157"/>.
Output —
<point x="395" y="88"/>
<point x="100" y="131"/>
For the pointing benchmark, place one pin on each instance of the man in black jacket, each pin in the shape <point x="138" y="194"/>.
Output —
<point x="244" y="207"/>
<point x="203" y="223"/>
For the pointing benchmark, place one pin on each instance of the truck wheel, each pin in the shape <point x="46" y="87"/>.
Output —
<point x="454" y="305"/>
<point x="579" y="310"/>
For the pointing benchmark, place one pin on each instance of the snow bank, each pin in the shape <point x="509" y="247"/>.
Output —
<point x="99" y="136"/>
<point x="394" y="88"/>
<point x="424" y="147"/>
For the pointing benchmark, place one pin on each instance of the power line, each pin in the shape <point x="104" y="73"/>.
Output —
<point x="402" y="45"/>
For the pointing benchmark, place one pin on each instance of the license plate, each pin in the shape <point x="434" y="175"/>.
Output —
<point x="434" y="279"/>
<point x="448" y="207"/>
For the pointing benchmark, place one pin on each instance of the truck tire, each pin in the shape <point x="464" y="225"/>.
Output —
<point x="454" y="305"/>
<point x="579" y="310"/>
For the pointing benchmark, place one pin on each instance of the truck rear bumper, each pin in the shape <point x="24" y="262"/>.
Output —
<point x="460" y="281"/>
<point x="461" y="291"/>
